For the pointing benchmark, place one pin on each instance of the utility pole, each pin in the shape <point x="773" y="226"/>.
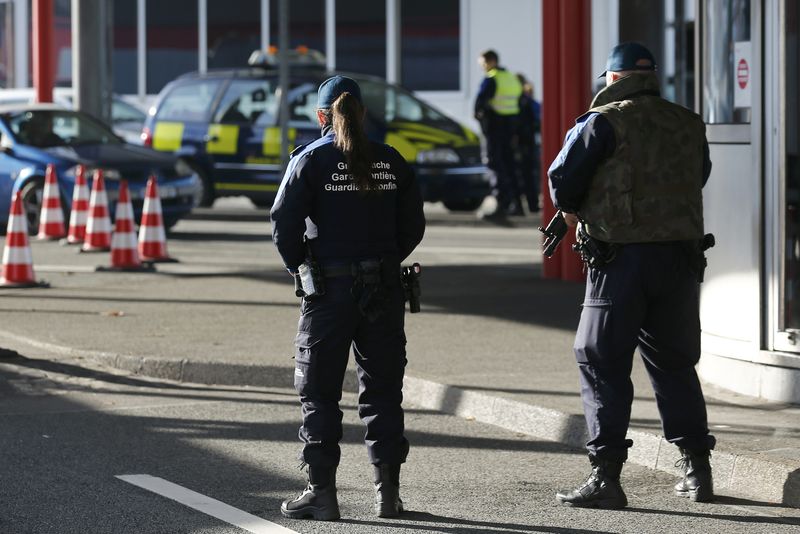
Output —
<point x="91" y="57"/>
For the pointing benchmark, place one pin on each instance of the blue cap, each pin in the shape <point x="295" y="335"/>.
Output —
<point x="629" y="56"/>
<point x="331" y="88"/>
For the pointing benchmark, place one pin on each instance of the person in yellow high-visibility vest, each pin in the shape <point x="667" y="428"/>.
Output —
<point x="497" y="109"/>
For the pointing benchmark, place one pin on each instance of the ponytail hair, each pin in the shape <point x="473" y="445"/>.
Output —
<point x="347" y="118"/>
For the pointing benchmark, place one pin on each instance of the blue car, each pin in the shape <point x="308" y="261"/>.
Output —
<point x="35" y="135"/>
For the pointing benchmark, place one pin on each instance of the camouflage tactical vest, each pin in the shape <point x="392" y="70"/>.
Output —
<point x="650" y="189"/>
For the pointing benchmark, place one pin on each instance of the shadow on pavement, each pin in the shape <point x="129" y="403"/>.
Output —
<point x="201" y="302"/>
<point x="221" y="236"/>
<point x="126" y="380"/>
<point x="259" y="431"/>
<point x="734" y="518"/>
<point x="512" y="292"/>
<point x="451" y="525"/>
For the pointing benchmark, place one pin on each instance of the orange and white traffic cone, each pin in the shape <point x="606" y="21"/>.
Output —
<point x="51" y="217"/>
<point x="98" y="227"/>
<point x="17" y="260"/>
<point x="80" y="209"/>
<point x="124" y="256"/>
<point x="152" y="237"/>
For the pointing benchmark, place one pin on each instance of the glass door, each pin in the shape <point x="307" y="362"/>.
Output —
<point x="787" y="268"/>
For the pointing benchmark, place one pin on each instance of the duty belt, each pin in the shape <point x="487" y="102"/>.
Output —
<point x="335" y="271"/>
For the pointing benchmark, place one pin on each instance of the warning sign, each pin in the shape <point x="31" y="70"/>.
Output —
<point x="742" y="74"/>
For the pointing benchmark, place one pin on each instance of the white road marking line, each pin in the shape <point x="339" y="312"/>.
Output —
<point x="207" y="505"/>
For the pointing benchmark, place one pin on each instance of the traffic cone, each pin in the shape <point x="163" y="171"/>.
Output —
<point x="152" y="237"/>
<point x="124" y="256"/>
<point x="80" y="208"/>
<point x="17" y="261"/>
<point x="51" y="217"/>
<point x="98" y="227"/>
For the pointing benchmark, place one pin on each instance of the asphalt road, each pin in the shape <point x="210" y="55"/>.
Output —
<point x="70" y="432"/>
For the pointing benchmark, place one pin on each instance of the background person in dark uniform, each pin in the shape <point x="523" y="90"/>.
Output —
<point x="631" y="171"/>
<point x="356" y="203"/>
<point x="527" y="145"/>
<point x="497" y="110"/>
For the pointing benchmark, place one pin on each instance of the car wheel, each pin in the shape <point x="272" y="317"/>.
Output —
<point x="208" y="194"/>
<point x="31" y="195"/>
<point x="463" y="204"/>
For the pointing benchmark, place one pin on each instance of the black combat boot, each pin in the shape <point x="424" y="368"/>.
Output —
<point x="697" y="483"/>
<point x="601" y="490"/>
<point x="387" y="490"/>
<point x="318" y="500"/>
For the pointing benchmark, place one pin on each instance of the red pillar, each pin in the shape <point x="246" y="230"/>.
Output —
<point x="551" y="118"/>
<point x="566" y="95"/>
<point x="44" y="52"/>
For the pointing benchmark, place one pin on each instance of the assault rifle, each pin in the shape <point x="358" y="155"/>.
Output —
<point x="553" y="234"/>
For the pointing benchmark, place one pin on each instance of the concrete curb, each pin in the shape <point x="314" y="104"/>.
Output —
<point x="756" y="476"/>
<point x="759" y="477"/>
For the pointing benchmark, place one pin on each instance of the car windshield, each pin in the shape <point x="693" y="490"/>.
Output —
<point x="50" y="128"/>
<point x="398" y="105"/>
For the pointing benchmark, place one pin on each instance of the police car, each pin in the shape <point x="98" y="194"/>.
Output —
<point x="224" y="124"/>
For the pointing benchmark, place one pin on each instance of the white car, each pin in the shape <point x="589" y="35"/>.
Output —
<point x="127" y="119"/>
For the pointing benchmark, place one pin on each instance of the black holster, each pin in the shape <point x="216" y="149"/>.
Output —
<point x="594" y="253"/>
<point x="695" y="255"/>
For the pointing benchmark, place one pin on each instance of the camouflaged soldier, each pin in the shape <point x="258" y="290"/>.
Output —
<point x="630" y="175"/>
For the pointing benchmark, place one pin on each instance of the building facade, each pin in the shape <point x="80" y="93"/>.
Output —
<point x="748" y="96"/>
<point x="429" y="47"/>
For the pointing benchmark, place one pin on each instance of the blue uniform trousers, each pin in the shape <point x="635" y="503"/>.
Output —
<point x="646" y="297"/>
<point x="328" y="326"/>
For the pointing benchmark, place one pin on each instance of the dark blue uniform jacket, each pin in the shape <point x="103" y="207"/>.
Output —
<point x="318" y="199"/>
<point x="587" y="144"/>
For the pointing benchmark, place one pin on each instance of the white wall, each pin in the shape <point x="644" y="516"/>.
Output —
<point x="605" y="34"/>
<point x="513" y="28"/>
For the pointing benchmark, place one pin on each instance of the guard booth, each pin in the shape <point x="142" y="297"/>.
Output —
<point x="747" y="62"/>
<point x="737" y="64"/>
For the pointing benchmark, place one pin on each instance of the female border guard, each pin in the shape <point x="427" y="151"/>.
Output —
<point x="354" y="206"/>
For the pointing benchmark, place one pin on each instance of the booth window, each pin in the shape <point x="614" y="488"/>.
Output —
<point x="727" y="62"/>
<point x="306" y="24"/>
<point x="171" y="41"/>
<point x="361" y="36"/>
<point x="6" y="44"/>
<point x="234" y="31"/>
<point x="124" y="52"/>
<point x="430" y="51"/>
